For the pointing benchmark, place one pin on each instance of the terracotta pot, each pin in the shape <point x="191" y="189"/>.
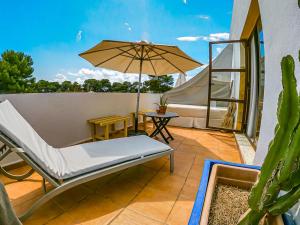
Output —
<point x="162" y="109"/>
<point x="235" y="176"/>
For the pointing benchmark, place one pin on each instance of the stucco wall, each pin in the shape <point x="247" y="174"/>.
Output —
<point x="281" y="26"/>
<point x="60" y="118"/>
<point x="239" y="15"/>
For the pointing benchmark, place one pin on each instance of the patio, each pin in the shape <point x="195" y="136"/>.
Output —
<point x="145" y="194"/>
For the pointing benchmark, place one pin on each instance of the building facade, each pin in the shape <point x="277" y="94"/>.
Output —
<point x="272" y="31"/>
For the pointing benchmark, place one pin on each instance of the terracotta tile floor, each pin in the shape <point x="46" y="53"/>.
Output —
<point x="146" y="194"/>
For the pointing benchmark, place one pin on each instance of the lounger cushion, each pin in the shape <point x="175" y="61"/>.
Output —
<point x="20" y="131"/>
<point x="92" y="156"/>
<point x="63" y="163"/>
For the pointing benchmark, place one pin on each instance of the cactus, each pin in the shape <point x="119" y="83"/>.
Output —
<point x="281" y="168"/>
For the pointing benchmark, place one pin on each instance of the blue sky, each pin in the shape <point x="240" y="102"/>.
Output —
<point x="54" y="32"/>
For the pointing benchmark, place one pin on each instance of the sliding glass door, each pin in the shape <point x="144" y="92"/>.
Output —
<point x="228" y="113"/>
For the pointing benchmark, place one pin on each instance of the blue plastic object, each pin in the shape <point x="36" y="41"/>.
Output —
<point x="198" y="205"/>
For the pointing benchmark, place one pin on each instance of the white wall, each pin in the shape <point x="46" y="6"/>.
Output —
<point x="61" y="118"/>
<point x="239" y="16"/>
<point x="281" y="26"/>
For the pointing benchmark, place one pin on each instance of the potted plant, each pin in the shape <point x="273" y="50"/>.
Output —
<point x="162" y="106"/>
<point x="279" y="172"/>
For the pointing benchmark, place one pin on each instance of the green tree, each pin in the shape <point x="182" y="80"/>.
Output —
<point x="159" y="84"/>
<point x="120" y="87"/>
<point x="16" y="72"/>
<point x="76" y="87"/>
<point x="53" y="87"/>
<point x="42" y="86"/>
<point x="90" y="85"/>
<point x="66" y="86"/>
<point x="104" y="85"/>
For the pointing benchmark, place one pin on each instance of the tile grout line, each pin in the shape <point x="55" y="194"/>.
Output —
<point x="137" y="195"/>
<point x="180" y="190"/>
<point x="77" y="203"/>
<point x="148" y="217"/>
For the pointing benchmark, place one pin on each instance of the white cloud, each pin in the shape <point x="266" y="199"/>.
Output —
<point x="203" y="17"/>
<point x="79" y="35"/>
<point x="60" y="78"/>
<point x="188" y="38"/>
<point x="127" y="25"/>
<point x="184" y="1"/>
<point x="84" y="73"/>
<point x="211" y="37"/>
<point x="219" y="36"/>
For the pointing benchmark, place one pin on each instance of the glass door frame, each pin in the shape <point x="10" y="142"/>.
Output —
<point x="241" y="70"/>
<point x="254" y="35"/>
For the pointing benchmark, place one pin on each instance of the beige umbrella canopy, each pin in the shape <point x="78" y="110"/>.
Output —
<point x="139" y="57"/>
<point x="126" y="57"/>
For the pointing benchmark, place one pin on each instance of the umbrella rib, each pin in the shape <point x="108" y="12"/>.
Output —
<point x="100" y="50"/>
<point x="136" y="51"/>
<point x="125" y="52"/>
<point x="112" y="58"/>
<point x="129" y="64"/>
<point x="170" y="63"/>
<point x="151" y="62"/>
<point x="200" y="64"/>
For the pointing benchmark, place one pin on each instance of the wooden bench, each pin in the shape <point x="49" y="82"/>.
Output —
<point x="107" y="122"/>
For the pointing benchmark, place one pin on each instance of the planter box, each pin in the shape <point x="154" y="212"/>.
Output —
<point x="240" y="175"/>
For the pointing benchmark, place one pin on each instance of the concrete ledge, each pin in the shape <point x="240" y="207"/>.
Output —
<point x="246" y="149"/>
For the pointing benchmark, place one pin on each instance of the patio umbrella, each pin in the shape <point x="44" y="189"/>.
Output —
<point x="139" y="57"/>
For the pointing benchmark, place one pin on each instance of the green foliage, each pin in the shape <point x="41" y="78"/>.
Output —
<point x="120" y="87"/>
<point x="159" y="84"/>
<point x="281" y="168"/>
<point x="66" y="86"/>
<point x="104" y="85"/>
<point x="90" y="85"/>
<point x="16" y="77"/>
<point x="162" y="101"/>
<point x="43" y="86"/>
<point x="15" y="72"/>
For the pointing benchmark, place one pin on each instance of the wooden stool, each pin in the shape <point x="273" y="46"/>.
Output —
<point x="106" y="122"/>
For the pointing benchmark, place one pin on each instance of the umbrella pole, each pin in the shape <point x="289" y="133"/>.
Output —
<point x="137" y="105"/>
<point x="136" y="124"/>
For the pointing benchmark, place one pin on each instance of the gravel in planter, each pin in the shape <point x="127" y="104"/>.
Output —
<point x="228" y="204"/>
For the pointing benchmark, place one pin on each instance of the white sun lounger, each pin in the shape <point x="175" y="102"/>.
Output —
<point x="67" y="167"/>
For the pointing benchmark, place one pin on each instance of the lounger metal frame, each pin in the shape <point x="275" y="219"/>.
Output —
<point x="63" y="185"/>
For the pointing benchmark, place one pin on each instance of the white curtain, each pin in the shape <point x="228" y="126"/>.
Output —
<point x="195" y="90"/>
<point x="180" y="80"/>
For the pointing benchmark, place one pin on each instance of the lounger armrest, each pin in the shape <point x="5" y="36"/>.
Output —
<point x="17" y="150"/>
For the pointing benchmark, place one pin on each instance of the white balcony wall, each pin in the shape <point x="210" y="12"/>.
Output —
<point x="281" y="26"/>
<point x="61" y="118"/>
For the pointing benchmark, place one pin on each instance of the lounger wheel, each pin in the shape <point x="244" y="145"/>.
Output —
<point x="5" y="152"/>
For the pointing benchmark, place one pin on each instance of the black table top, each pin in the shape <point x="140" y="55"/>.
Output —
<point x="166" y="115"/>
